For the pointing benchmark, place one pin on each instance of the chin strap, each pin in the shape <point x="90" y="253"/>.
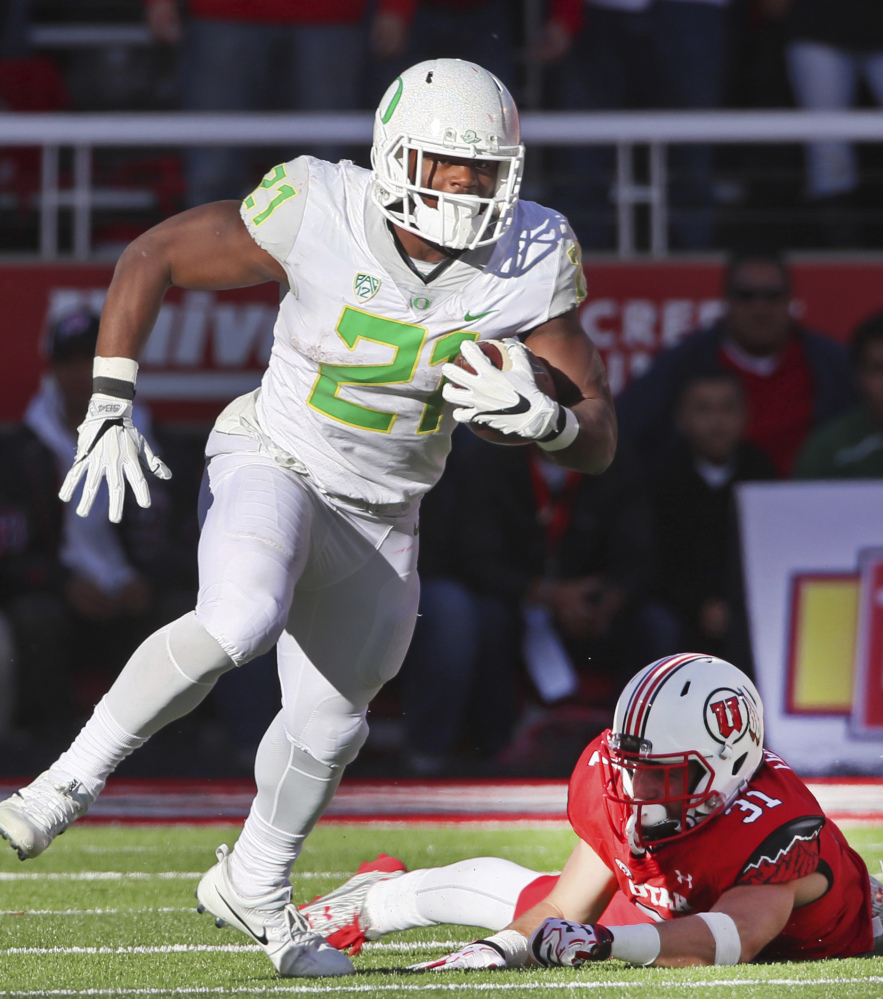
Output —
<point x="452" y="224"/>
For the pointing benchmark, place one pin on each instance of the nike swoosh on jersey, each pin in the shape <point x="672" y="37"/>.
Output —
<point x="262" y="939"/>
<point x="469" y="318"/>
<point x="522" y="406"/>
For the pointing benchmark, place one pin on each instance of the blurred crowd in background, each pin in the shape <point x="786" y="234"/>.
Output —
<point x="543" y="590"/>
<point x="573" y="55"/>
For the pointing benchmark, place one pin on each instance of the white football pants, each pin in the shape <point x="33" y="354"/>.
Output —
<point x="337" y="592"/>
<point x="335" y="589"/>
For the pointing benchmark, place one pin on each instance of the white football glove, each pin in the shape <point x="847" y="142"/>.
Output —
<point x="508" y="401"/>
<point x="109" y="446"/>
<point x="480" y="954"/>
<point x="560" y="942"/>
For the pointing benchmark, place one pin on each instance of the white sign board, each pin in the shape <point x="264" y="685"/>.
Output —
<point x="813" y="568"/>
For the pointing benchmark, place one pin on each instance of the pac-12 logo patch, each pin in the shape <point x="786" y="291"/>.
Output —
<point x="366" y="286"/>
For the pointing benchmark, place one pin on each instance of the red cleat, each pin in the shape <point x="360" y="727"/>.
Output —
<point x="339" y="916"/>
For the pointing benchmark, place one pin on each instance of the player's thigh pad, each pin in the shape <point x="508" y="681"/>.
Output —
<point x="350" y="625"/>
<point x="260" y="524"/>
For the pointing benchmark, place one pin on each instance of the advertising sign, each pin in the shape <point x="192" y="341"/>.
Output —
<point x="208" y="347"/>
<point x="813" y="567"/>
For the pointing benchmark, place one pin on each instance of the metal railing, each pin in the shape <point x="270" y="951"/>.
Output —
<point x="625" y="131"/>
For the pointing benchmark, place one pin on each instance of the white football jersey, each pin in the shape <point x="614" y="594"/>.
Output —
<point x="353" y="387"/>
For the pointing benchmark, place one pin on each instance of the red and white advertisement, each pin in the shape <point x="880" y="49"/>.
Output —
<point x="634" y="310"/>
<point x="814" y="593"/>
<point x="208" y="347"/>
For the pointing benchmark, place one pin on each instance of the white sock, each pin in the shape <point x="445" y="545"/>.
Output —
<point x="393" y="905"/>
<point x="96" y="752"/>
<point x="294" y="789"/>
<point x="262" y="859"/>
<point x="481" y="892"/>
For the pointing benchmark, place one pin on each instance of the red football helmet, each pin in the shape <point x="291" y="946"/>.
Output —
<point x="687" y="737"/>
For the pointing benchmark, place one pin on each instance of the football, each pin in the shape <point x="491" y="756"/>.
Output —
<point x="500" y="359"/>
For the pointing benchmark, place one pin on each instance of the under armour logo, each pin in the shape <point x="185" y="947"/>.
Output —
<point x="684" y="879"/>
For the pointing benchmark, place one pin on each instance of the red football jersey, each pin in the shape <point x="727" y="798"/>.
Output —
<point x="774" y="832"/>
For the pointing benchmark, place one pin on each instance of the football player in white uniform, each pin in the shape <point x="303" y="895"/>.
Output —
<point x="315" y="479"/>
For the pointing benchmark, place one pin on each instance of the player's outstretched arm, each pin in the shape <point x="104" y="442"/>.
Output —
<point x="740" y="924"/>
<point x="564" y="344"/>
<point x="737" y="928"/>
<point x="206" y="248"/>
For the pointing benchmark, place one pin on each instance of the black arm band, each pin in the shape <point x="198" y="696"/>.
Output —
<point x="117" y="387"/>
<point x="560" y="424"/>
<point x="496" y="947"/>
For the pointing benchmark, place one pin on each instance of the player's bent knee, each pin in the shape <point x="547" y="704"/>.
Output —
<point x="334" y="741"/>
<point x="195" y="652"/>
<point x="243" y="637"/>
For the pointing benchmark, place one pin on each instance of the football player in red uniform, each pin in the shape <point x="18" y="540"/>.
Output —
<point x="696" y="847"/>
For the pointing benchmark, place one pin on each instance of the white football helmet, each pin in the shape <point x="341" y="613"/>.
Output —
<point x="687" y="737"/>
<point x="446" y="107"/>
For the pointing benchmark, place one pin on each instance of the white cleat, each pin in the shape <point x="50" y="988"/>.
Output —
<point x="273" y="922"/>
<point x="34" y="815"/>
<point x="340" y="915"/>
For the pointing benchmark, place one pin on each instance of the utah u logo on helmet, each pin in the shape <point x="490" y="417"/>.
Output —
<point x="729" y="715"/>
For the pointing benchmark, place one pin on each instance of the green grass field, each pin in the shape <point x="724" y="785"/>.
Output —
<point x="109" y="911"/>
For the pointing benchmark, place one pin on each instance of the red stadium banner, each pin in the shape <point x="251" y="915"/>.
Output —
<point x="208" y="347"/>
<point x="634" y="310"/>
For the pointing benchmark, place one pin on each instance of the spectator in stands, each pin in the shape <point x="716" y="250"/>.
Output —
<point x="794" y="379"/>
<point x="14" y="23"/>
<point x="567" y="559"/>
<point x="832" y="45"/>
<point x="694" y="520"/>
<point x="464" y="654"/>
<point x="118" y="583"/>
<point x="638" y="54"/>
<point x="33" y="675"/>
<point x="851" y="446"/>
<point x="274" y="55"/>
<point x="28" y="83"/>
<point x="410" y="31"/>
<point x="600" y="57"/>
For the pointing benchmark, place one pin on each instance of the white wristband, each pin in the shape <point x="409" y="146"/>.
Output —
<point x="566" y="436"/>
<point x="727" y="942"/>
<point x="123" y="368"/>
<point x="114" y="376"/>
<point x="637" y="944"/>
<point x="511" y="944"/>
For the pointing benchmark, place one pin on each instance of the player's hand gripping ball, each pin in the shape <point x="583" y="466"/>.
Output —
<point x="559" y="942"/>
<point x="481" y="360"/>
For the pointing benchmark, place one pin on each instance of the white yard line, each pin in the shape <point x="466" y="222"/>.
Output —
<point x="144" y="875"/>
<point x="94" y="912"/>
<point x="436" y="985"/>
<point x="396" y="947"/>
